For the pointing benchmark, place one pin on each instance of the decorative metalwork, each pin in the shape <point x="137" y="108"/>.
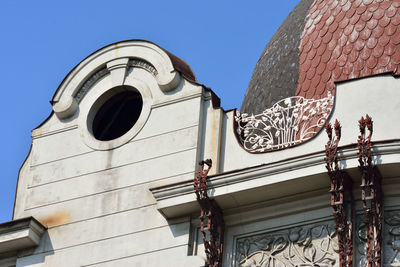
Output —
<point x="314" y="245"/>
<point x="341" y="196"/>
<point x="371" y="194"/>
<point x="288" y="122"/>
<point x="212" y="223"/>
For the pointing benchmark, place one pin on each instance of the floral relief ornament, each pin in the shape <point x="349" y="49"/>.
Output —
<point x="391" y="240"/>
<point x="311" y="246"/>
<point x="392" y="236"/>
<point x="288" y="122"/>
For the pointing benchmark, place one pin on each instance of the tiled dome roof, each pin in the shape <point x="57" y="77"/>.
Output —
<point x="322" y="42"/>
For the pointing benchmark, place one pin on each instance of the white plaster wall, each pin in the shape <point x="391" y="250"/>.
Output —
<point x="377" y="96"/>
<point x="97" y="203"/>
<point x="212" y="120"/>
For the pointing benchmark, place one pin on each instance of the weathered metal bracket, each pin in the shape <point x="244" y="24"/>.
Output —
<point x="212" y="222"/>
<point x="371" y="186"/>
<point x="341" y="196"/>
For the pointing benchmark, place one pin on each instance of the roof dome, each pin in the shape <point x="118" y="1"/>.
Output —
<point x="322" y="42"/>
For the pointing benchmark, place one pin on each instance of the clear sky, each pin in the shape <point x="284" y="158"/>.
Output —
<point x="41" y="41"/>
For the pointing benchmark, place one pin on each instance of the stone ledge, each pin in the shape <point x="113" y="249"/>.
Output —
<point x="20" y="234"/>
<point x="272" y="180"/>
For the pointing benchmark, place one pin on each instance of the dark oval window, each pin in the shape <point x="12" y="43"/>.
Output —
<point x="117" y="115"/>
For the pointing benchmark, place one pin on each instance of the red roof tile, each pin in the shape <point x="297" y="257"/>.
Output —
<point x="355" y="39"/>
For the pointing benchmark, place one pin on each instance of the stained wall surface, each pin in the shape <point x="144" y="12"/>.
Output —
<point x="130" y="201"/>
<point x="96" y="202"/>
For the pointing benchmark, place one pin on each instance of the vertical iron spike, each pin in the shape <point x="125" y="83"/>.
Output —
<point x="340" y="183"/>
<point x="338" y="129"/>
<point x="371" y="194"/>
<point x="211" y="218"/>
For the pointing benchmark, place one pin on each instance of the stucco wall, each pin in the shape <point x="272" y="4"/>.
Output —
<point x="96" y="203"/>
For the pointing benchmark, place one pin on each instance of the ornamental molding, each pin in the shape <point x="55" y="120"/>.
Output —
<point x="311" y="245"/>
<point x="133" y="62"/>
<point x="289" y="122"/>
<point x="138" y="63"/>
<point x="177" y="199"/>
<point x="140" y="54"/>
<point x="293" y="164"/>
<point x="90" y="82"/>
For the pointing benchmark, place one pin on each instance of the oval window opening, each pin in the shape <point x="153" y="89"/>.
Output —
<point x="117" y="115"/>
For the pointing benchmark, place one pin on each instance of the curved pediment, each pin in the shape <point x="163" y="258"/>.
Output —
<point x="117" y="60"/>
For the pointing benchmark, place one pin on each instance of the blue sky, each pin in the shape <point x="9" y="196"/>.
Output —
<point x="41" y="41"/>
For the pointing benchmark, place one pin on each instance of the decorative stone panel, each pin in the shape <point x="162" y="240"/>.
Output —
<point x="308" y="245"/>
<point x="391" y="239"/>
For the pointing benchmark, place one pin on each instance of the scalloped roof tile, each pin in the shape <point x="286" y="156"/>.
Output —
<point x="336" y="41"/>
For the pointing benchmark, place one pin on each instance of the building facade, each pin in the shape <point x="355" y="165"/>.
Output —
<point x="109" y="179"/>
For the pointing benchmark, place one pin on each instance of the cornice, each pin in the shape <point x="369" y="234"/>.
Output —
<point x="306" y="172"/>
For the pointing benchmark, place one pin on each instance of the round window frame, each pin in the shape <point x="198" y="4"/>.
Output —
<point x="97" y="98"/>
<point x="96" y="112"/>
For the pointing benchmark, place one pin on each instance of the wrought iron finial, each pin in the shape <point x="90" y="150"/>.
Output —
<point x="340" y="183"/>
<point x="371" y="193"/>
<point x="212" y="223"/>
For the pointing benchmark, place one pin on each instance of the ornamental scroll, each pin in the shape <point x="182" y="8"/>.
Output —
<point x="289" y="122"/>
